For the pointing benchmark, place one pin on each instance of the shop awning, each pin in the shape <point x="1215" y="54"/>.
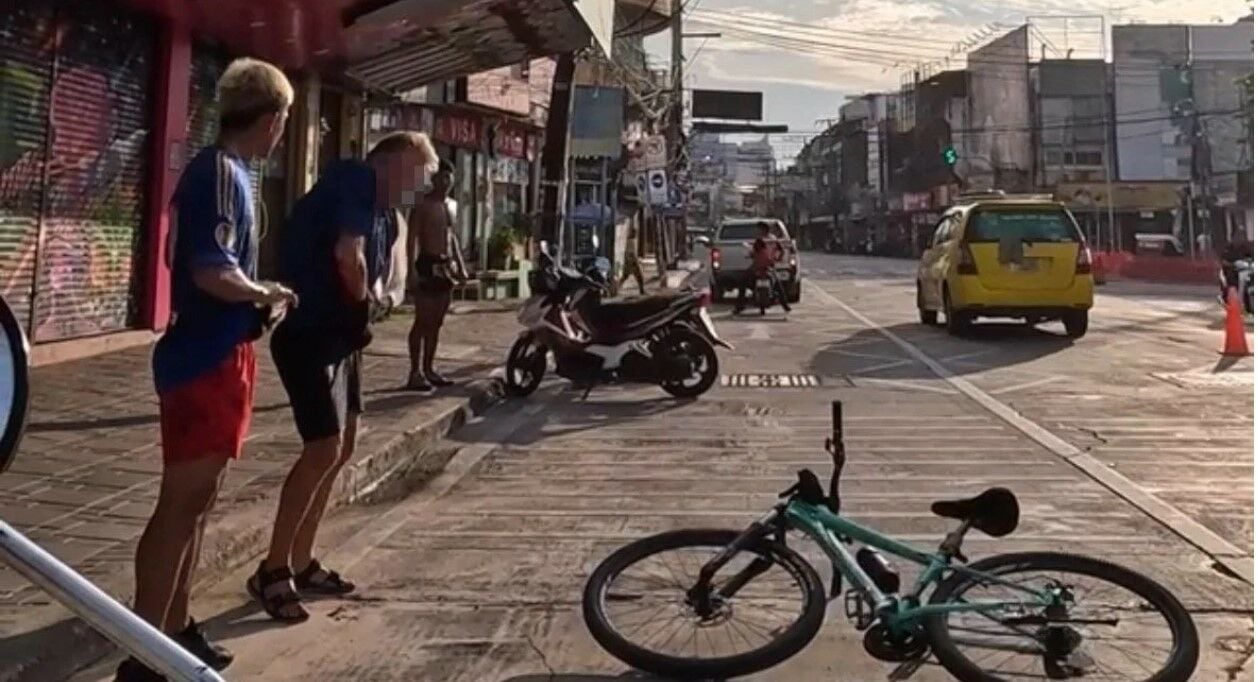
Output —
<point x="1127" y="196"/>
<point x="474" y="36"/>
<point x="394" y="45"/>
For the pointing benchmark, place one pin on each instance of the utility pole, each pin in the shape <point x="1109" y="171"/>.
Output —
<point x="674" y="135"/>
<point x="555" y="152"/>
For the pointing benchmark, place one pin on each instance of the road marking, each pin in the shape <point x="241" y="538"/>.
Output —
<point x="890" y="364"/>
<point x="906" y="384"/>
<point x="770" y="380"/>
<point x="1025" y="385"/>
<point x="1227" y="554"/>
<point x="1220" y="380"/>
<point x="759" y="332"/>
<point x="961" y="357"/>
<point x="549" y="538"/>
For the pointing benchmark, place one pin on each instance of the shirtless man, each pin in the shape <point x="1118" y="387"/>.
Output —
<point x="433" y="245"/>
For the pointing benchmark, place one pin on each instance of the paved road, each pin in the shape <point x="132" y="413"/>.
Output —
<point x="1123" y="444"/>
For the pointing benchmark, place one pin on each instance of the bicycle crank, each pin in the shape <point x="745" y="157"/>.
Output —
<point x="885" y="646"/>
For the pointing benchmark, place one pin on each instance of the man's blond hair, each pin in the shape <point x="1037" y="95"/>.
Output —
<point x="404" y="140"/>
<point x="250" y="89"/>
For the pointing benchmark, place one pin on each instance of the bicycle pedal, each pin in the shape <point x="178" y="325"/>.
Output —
<point x="857" y="610"/>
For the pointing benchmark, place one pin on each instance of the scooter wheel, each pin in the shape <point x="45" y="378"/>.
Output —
<point x="682" y="340"/>
<point x="526" y="366"/>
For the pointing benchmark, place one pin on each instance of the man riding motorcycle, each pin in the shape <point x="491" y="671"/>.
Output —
<point x="766" y="251"/>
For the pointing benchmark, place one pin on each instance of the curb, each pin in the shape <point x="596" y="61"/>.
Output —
<point x="56" y="650"/>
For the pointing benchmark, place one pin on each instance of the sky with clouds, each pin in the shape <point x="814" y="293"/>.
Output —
<point x="808" y="55"/>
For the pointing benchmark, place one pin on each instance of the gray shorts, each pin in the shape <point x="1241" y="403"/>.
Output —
<point x="322" y="393"/>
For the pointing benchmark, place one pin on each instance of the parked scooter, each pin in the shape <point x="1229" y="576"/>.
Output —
<point x="665" y="340"/>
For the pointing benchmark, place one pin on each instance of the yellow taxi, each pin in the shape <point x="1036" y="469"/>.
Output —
<point x="1011" y="257"/>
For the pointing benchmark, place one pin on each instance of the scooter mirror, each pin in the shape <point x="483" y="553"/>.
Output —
<point x="594" y="242"/>
<point x="14" y="383"/>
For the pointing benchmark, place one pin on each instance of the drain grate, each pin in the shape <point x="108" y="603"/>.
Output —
<point x="770" y="380"/>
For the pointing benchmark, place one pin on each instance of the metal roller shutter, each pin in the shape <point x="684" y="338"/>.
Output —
<point x="207" y="65"/>
<point x="26" y="61"/>
<point x="98" y="152"/>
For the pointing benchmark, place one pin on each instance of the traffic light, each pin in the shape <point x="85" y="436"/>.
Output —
<point x="950" y="155"/>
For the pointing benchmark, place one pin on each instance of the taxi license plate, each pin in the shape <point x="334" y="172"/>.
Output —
<point x="762" y="282"/>
<point x="1027" y="265"/>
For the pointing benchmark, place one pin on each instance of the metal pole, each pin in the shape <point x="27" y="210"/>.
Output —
<point x="675" y="119"/>
<point x="1192" y="224"/>
<point x="99" y="610"/>
<point x="1110" y="150"/>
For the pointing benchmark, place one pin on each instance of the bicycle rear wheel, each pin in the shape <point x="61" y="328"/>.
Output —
<point x="1116" y="624"/>
<point x="635" y="605"/>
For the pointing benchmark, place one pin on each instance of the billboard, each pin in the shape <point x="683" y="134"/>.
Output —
<point x="738" y="105"/>
<point x="598" y="116"/>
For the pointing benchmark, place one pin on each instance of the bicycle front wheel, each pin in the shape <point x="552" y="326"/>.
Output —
<point x="636" y="606"/>
<point x="1109" y="623"/>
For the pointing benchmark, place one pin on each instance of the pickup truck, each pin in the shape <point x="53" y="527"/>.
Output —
<point x="730" y="255"/>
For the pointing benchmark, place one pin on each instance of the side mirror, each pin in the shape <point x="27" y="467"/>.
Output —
<point x="14" y="384"/>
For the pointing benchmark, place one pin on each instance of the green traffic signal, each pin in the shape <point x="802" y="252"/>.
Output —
<point x="950" y="156"/>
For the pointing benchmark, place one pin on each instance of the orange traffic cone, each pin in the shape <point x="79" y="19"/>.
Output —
<point x="1234" y="343"/>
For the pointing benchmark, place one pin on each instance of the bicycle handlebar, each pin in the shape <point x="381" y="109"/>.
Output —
<point x="808" y="486"/>
<point x="838" y="453"/>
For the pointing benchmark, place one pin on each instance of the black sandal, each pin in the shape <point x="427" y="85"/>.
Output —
<point x="263" y="585"/>
<point x="316" y="579"/>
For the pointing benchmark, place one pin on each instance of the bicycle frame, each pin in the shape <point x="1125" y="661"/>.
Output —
<point x="898" y="611"/>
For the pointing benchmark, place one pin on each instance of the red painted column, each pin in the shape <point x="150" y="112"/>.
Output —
<point x="169" y="137"/>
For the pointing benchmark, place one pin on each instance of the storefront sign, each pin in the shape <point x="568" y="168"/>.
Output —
<point x="916" y="201"/>
<point x="511" y="140"/>
<point x="1127" y="196"/>
<point x="460" y="130"/>
<point x="509" y="170"/>
<point x="647" y="153"/>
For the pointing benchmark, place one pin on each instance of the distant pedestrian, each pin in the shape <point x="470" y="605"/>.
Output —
<point x="335" y="252"/>
<point x="204" y="365"/>
<point x="438" y="261"/>
<point x="633" y="266"/>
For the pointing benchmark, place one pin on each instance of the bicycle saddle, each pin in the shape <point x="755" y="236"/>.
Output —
<point x="994" y="511"/>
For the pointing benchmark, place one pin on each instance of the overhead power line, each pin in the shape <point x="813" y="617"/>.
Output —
<point x="884" y="35"/>
<point x="892" y="53"/>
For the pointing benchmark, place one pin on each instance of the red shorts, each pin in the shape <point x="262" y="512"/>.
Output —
<point x="209" y="416"/>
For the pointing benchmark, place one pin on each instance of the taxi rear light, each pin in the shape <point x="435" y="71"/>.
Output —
<point x="1083" y="263"/>
<point x="966" y="264"/>
<point x="716" y="259"/>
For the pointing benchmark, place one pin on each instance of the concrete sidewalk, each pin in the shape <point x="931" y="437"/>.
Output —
<point x="86" y="477"/>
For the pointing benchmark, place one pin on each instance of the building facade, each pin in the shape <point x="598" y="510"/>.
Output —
<point x="102" y="102"/>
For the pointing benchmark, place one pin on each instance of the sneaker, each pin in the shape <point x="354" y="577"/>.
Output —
<point x="193" y="639"/>
<point x="132" y="670"/>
